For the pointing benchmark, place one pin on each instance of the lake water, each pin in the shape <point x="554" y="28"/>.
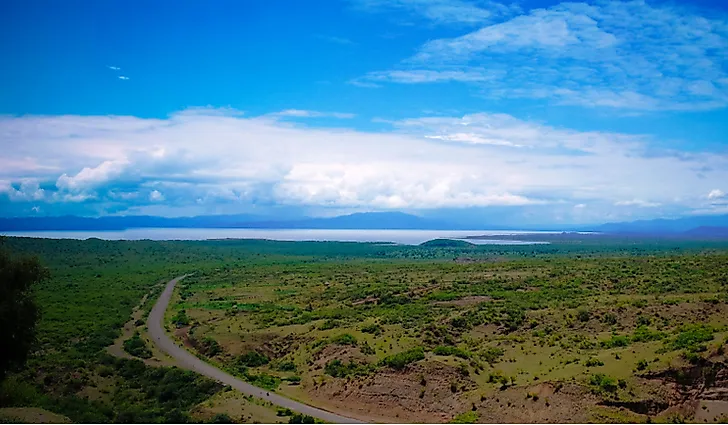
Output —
<point x="408" y="237"/>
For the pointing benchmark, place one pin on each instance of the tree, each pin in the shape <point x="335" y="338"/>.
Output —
<point x="18" y="311"/>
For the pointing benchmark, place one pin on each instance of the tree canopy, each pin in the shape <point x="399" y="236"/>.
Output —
<point x="18" y="310"/>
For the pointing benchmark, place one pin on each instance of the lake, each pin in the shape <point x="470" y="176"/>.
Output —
<point x="407" y="237"/>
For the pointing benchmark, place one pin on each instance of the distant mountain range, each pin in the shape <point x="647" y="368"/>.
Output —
<point x="696" y="226"/>
<point x="706" y="225"/>
<point x="384" y="220"/>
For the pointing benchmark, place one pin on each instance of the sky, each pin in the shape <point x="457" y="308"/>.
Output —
<point x="532" y="112"/>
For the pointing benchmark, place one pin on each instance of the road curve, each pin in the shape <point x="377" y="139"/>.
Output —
<point x="188" y="361"/>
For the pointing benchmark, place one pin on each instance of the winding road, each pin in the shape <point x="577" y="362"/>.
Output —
<point x="188" y="361"/>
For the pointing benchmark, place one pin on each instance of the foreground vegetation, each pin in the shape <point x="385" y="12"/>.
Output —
<point x="570" y="331"/>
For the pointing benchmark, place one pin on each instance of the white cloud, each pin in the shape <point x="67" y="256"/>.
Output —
<point x="615" y="54"/>
<point x="156" y="196"/>
<point x="421" y="163"/>
<point x="637" y="203"/>
<point x="92" y="177"/>
<point x="113" y="68"/>
<point x="442" y="11"/>
<point x="716" y="194"/>
<point x="302" y="113"/>
<point x="122" y="77"/>
<point x="29" y="190"/>
<point x="336" y="40"/>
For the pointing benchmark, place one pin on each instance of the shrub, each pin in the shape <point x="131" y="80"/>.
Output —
<point x="446" y="350"/>
<point x="583" y="315"/>
<point x="329" y="324"/>
<point x="137" y="347"/>
<point x="492" y="354"/>
<point x="343" y="339"/>
<point x="603" y="383"/>
<point x="610" y="319"/>
<point x="615" y="341"/>
<point x="338" y="369"/>
<point x="593" y="362"/>
<point x="642" y="364"/>
<point x="253" y="359"/>
<point x="465" y="418"/>
<point x="221" y="418"/>
<point x="298" y="418"/>
<point x="691" y="337"/>
<point x="400" y="360"/>
<point x="372" y="329"/>
<point x="645" y="334"/>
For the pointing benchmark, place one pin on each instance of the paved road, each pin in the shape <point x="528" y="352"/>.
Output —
<point x="188" y="361"/>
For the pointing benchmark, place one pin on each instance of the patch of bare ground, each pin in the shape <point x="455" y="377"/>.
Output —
<point x="543" y="403"/>
<point x="345" y="353"/>
<point x="696" y="391"/>
<point x="238" y="407"/>
<point x="427" y="391"/>
<point x="31" y="415"/>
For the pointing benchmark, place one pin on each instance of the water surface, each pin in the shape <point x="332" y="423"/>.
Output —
<point x="408" y="237"/>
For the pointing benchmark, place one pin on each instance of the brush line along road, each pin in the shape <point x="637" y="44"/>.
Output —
<point x="186" y="360"/>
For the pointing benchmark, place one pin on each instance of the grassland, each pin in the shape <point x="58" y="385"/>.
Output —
<point x="581" y="329"/>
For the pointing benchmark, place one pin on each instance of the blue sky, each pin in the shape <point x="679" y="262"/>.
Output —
<point x="534" y="111"/>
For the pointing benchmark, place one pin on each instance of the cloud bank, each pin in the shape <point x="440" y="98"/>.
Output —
<point x="208" y="157"/>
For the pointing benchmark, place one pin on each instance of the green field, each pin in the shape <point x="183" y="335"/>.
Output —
<point x="584" y="329"/>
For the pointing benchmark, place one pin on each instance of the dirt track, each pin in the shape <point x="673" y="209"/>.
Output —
<point x="189" y="361"/>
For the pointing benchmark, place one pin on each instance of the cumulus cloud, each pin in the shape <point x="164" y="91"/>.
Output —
<point x="215" y="157"/>
<point x="716" y="194"/>
<point x="113" y="68"/>
<point x="302" y="113"/>
<point x="123" y="77"/>
<point x="615" y="54"/>
<point x="156" y="196"/>
<point x="442" y="11"/>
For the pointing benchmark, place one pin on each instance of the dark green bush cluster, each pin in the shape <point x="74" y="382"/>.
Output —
<point x="603" y="382"/>
<point x="137" y="347"/>
<point x="339" y="369"/>
<point x="253" y="359"/>
<point x="400" y="360"/>
<point x="372" y="329"/>
<point x="343" y="339"/>
<point x="692" y="338"/>
<point x="447" y="350"/>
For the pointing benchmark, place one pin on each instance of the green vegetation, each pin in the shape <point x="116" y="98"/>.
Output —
<point x="315" y="319"/>
<point x="401" y="360"/>
<point x="137" y="347"/>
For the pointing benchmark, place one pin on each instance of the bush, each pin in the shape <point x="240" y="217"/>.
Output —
<point x="374" y="329"/>
<point x="645" y="334"/>
<point x="344" y="339"/>
<point x="329" y="324"/>
<point x="298" y="418"/>
<point x="642" y="364"/>
<point x="400" y="360"/>
<point x="615" y="341"/>
<point x="446" y="350"/>
<point x="593" y="362"/>
<point x="610" y="319"/>
<point x="492" y="354"/>
<point x="603" y="383"/>
<point x="253" y="359"/>
<point x="137" y="347"/>
<point x="583" y="315"/>
<point x="221" y="418"/>
<point x="692" y="337"/>
<point x="465" y="418"/>
<point x="338" y="369"/>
